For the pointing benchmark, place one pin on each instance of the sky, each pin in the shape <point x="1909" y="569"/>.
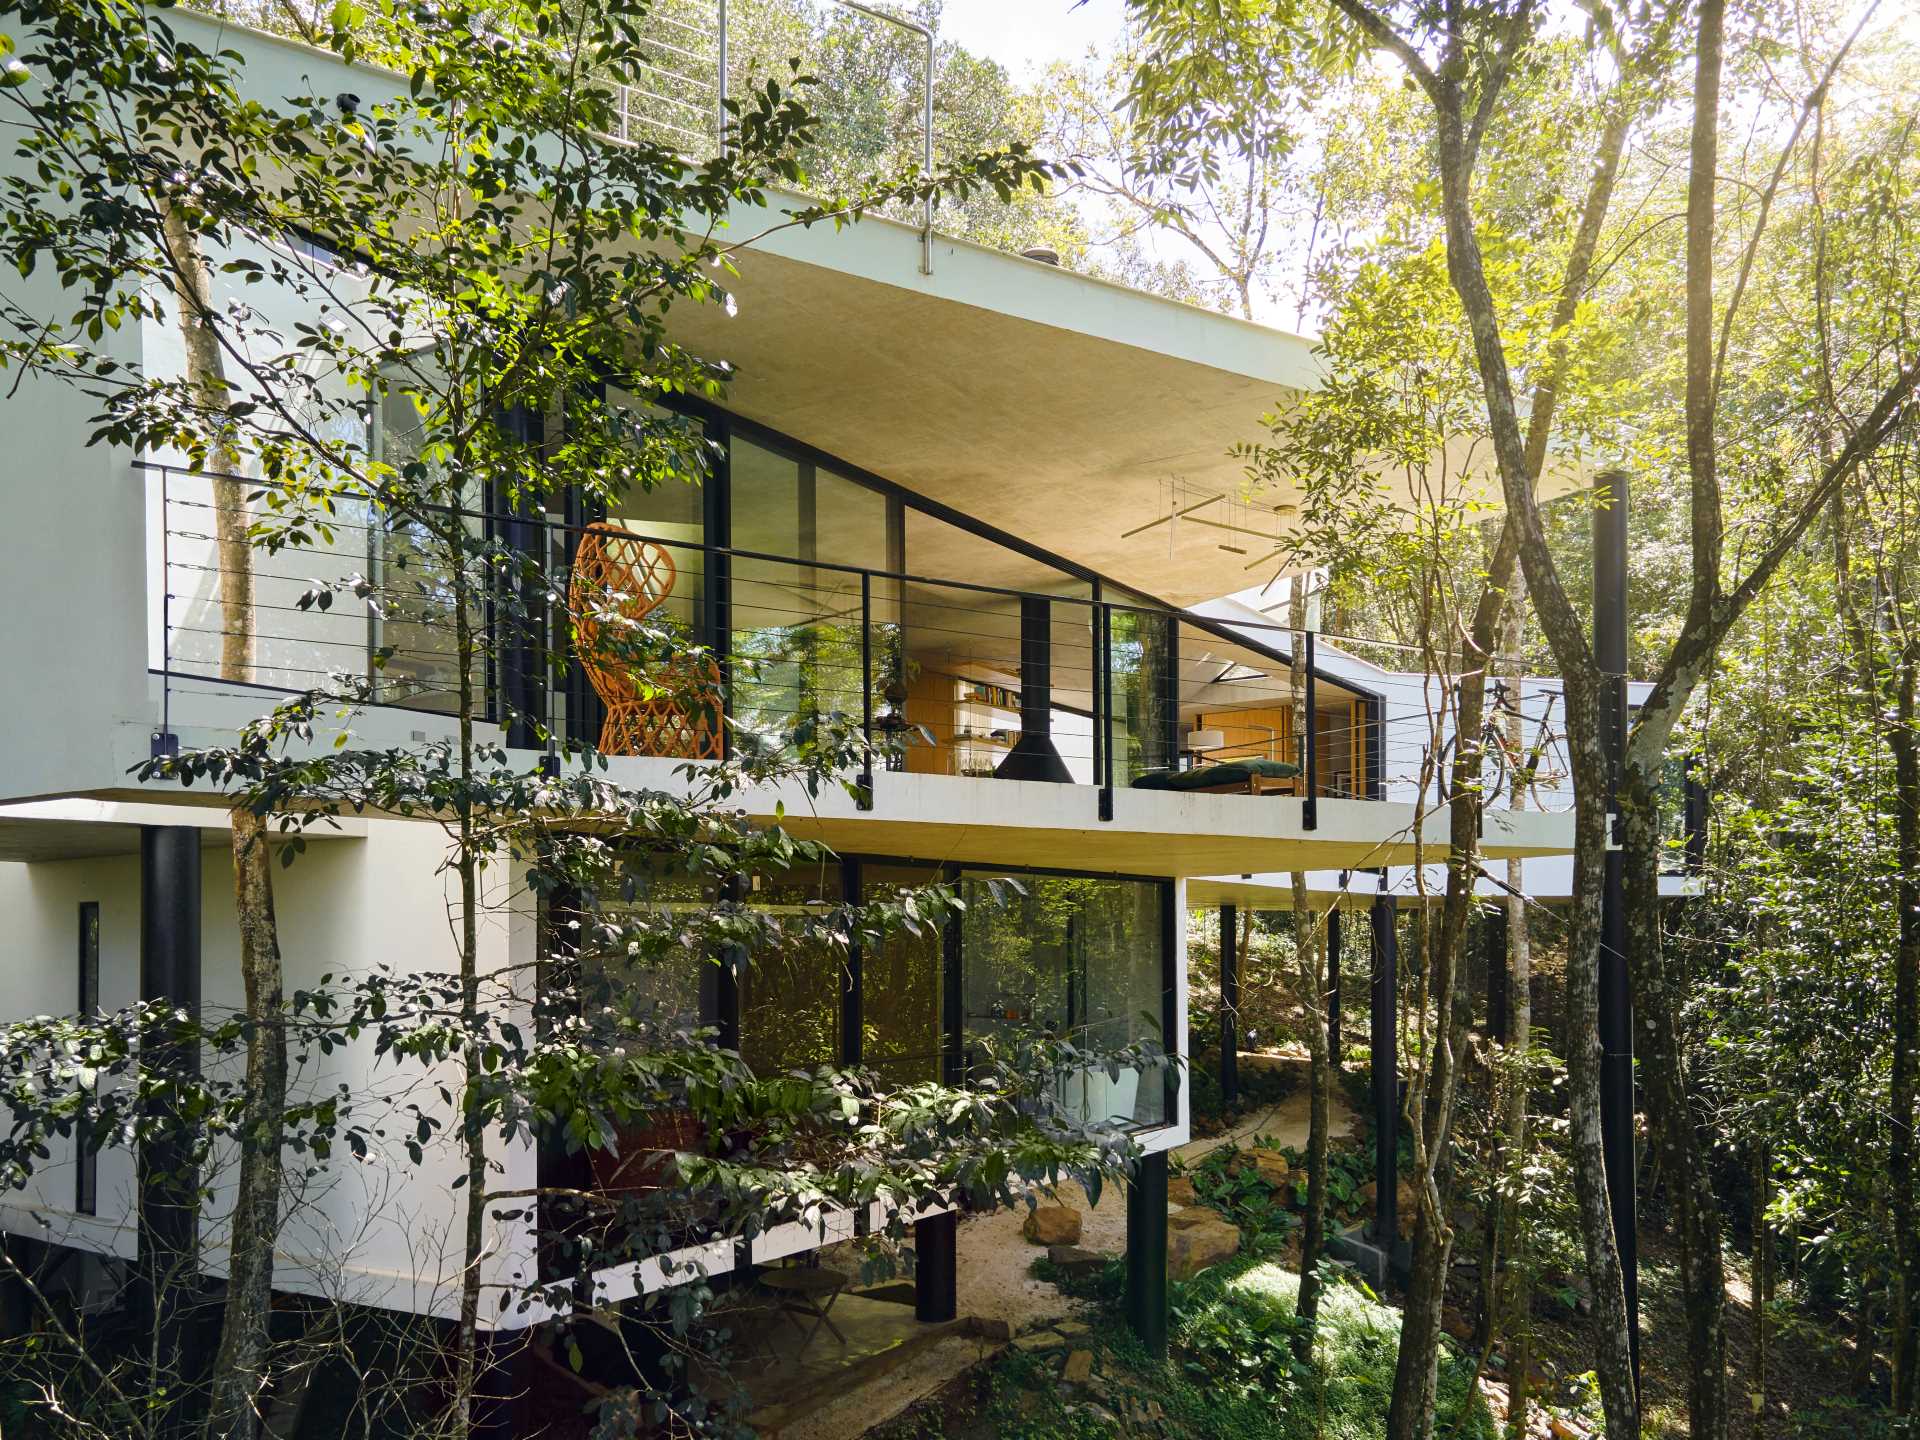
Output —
<point x="1023" y="34"/>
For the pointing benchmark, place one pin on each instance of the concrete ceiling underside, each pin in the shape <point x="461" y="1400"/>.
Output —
<point x="35" y="841"/>
<point x="1060" y="438"/>
<point x="1060" y="409"/>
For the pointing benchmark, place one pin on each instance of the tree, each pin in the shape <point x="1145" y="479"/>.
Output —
<point x="1231" y="196"/>
<point x="1462" y="62"/>
<point x="240" y="1369"/>
<point x="490" y="280"/>
<point x="1393" y="405"/>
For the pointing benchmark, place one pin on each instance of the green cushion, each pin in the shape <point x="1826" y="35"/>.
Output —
<point x="1212" y="777"/>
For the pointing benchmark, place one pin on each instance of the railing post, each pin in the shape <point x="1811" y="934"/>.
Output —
<point x="1103" y="705"/>
<point x="1229" y="1004"/>
<point x="1310" y="808"/>
<point x="720" y="83"/>
<point x="164" y="741"/>
<point x="926" y="120"/>
<point x="866" y="689"/>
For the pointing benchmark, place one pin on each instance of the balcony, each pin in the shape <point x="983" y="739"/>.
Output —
<point x="1031" y="720"/>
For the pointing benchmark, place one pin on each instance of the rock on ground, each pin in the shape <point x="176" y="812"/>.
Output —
<point x="1052" y="1225"/>
<point x="1197" y="1239"/>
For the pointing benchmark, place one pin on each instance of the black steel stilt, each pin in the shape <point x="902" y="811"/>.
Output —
<point x="1385" y="1045"/>
<point x="1333" y="988"/>
<point x="1229" y="1003"/>
<point x="1493" y="938"/>
<point x="1147" y="1253"/>
<point x="936" y="1268"/>
<point x="169" y="1183"/>
<point x="1616" y="992"/>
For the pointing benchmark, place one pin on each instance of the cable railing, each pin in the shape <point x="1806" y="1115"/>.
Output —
<point x="939" y="676"/>
<point x="873" y="103"/>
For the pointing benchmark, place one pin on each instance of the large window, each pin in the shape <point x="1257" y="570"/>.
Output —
<point x="796" y="622"/>
<point x="412" y="630"/>
<point x="1141" y="657"/>
<point x="790" y="991"/>
<point x="1079" y="958"/>
<point x="900" y="1031"/>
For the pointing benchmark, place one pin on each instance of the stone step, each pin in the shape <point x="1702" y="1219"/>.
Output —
<point x="868" y="1395"/>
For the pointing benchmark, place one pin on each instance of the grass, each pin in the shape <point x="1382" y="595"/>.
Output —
<point x="1230" y="1376"/>
<point x="1343" y="1396"/>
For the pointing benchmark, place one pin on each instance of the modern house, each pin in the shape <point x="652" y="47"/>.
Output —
<point x="962" y="494"/>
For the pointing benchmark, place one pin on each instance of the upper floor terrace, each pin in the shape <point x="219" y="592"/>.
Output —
<point x="963" y="496"/>
<point x="1020" y="707"/>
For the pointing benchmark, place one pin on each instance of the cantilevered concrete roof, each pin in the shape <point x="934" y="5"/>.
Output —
<point x="1061" y="409"/>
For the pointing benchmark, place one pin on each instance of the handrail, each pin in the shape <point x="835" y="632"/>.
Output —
<point x="1094" y="665"/>
<point x="926" y="111"/>
<point x="926" y="137"/>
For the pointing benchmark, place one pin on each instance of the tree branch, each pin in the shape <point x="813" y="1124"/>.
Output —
<point x="1375" y="27"/>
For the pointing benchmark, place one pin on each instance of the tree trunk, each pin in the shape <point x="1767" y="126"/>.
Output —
<point x="1558" y="618"/>
<point x="240" y="1370"/>
<point x="473" y="1136"/>
<point x="1762" y="1283"/>
<point x="1659" y="991"/>
<point x="1613" y="1351"/>
<point x="1503" y="1281"/>
<point x="206" y="374"/>
<point x="1416" y="1380"/>
<point x="240" y="1373"/>
<point x="1905" y="741"/>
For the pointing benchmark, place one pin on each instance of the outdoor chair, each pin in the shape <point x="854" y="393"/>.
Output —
<point x="673" y="711"/>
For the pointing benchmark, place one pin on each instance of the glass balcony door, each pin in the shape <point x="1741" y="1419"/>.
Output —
<point x="796" y="642"/>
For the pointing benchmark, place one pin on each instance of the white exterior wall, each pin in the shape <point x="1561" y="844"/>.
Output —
<point x="383" y="1231"/>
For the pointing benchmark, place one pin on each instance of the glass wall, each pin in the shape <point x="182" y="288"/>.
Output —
<point x="1143" y="720"/>
<point x="967" y="663"/>
<point x="411" y="634"/>
<point x="670" y="989"/>
<point x="1078" y="958"/>
<point x="673" y="509"/>
<point x="900" y="1029"/>
<point x="790" y="991"/>
<point x="795" y="638"/>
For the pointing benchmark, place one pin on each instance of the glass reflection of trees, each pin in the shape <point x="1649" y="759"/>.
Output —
<point x="1074" y="957"/>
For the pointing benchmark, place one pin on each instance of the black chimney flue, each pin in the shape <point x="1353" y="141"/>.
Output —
<point x="1033" y="756"/>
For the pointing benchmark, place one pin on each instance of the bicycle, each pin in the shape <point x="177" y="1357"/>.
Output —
<point x="1543" y="770"/>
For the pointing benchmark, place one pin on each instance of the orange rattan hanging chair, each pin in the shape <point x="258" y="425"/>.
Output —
<point x="671" y="711"/>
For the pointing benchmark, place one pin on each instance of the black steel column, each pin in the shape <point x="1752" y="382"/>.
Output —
<point x="1333" y="987"/>
<point x="1694" y="814"/>
<point x="1310" y="766"/>
<point x="1147" y="1253"/>
<point x="521" y="669"/>
<point x="936" y="1268"/>
<point x="1493" y="939"/>
<point x="953" y="1027"/>
<point x="1386" y="1068"/>
<point x="585" y="710"/>
<point x="169" y="1184"/>
<point x="1616" y="994"/>
<point x="726" y="976"/>
<point x="1229" y="1003"/>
